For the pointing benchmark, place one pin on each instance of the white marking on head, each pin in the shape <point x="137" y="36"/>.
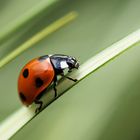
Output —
<point x="63" y="64"/>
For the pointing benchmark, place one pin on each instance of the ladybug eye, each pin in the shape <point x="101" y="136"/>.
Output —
<point x="72" y="60"/>
<point x="25" y="73"/>
<point x="38" y="82"/>
<point x="23" y="98"/>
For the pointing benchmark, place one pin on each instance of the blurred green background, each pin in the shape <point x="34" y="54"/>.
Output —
<point x="103" y="106"/>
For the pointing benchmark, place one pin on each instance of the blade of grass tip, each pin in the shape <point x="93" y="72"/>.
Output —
<point x="15" y="122"/>
<point x="39" y="36"/>
<point x="27" y="17"/>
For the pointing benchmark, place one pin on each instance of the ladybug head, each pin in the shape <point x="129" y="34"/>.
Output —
<point x="33" y="79"/>
<point x="72" y="62"/>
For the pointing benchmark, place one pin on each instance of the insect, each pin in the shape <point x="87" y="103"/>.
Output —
<point x="40" y="73"/>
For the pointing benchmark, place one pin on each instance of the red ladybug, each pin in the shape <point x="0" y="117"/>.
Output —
<point x="39" y="73"/>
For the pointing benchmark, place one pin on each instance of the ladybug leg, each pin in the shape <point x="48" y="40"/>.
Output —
<point x="70" y="70"/>
<point x="40" y="106"/>
<point x="54" y="87"/>
<point x="74" y="80"/>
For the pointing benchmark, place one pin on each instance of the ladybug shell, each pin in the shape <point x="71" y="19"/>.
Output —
<point x="34" y="78"/>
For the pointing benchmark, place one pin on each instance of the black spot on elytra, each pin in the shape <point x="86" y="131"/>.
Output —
<point x="42" y="58"/>
<point x="22" y="96"/>
<point x="38" y="82"/>
<point x="25" y="73"/>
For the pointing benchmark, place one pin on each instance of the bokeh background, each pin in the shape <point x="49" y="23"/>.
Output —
<point x="103" y="106"/>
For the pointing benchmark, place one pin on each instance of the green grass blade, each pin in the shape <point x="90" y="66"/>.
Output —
<point x="28" y="16"/>
<point x="38" y="37"/>
<point x="15" y="122"/>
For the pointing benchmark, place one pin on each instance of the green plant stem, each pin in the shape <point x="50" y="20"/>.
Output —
<point x="15" y="122"/>
<point x="38" y="37"/>
<point x="28" y="16"/>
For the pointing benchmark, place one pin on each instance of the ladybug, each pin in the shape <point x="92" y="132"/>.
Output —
<point x="40" y="73"/>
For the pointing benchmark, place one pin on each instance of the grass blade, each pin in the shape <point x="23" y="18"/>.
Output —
<point x="27" y="17"/>
<point x="38" y="37"/>
<point x="16" y="121"/>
